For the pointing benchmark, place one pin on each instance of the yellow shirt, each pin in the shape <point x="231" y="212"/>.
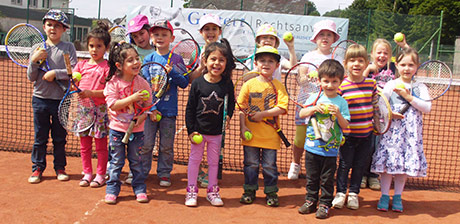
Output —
<point x="264" y="135"/>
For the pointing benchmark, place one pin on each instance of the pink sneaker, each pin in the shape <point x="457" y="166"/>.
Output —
<point x="142" y="198"/>
<point x="214" y="196"/>
<point x="110" y="199"/>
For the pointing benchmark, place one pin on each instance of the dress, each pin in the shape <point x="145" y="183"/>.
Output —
<point x="400" y="150"/>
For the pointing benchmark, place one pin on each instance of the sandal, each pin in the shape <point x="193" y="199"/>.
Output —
<point x="84" y="182"/>
<point x="96" y="184"/>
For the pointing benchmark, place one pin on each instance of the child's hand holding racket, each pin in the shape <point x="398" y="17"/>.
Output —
<point x="168" y="68"/>
<point x="39" y="55"/>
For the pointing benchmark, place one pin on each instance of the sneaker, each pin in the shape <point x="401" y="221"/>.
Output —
<point x="165" y="182"/>
<point x="363" y="182"/>
<point x="272" y="199"/>
<point x="307" y="207"/>
<point x="129" y="178"/>
<point x="191" y="198"/>
<point x="214" y="197"/>
<point x="62" y="175"/>
<point x="353" y="202"/>
<point x="142" y="198"/>
<point x="322" y="212"/>
<point x="36" y="176"/>
<point x="110" y="199"/>
<point x="339" y="200"/>
<point x="248" y="197"/>
<point x="396" y="204"/>
<point x="374" y="183"/>
<point x="383" y="203"/>
<point x="203" y="179"/>
<point x="294" y="171"/>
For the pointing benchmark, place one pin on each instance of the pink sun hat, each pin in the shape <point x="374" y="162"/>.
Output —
<point x="324" y="25"/>
<point x="136" y="23"/>
<point x="209" y="18"/>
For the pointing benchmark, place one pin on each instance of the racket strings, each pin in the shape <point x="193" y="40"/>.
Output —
<point x="76" y="114"/>
<point x="242" y="38"/>
<point x="20" y="41"/>
<point x="159" y="78"/>
<point x="436" y="76"/>
<point x="118" y="34"/>
<point x="382" y="115"/>
<point x="188" y="50"/>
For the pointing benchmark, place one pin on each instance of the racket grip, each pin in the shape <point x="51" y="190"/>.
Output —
<point x="405" y="108"/>
<point x="128" y="132"/>
<point x="314" y="124"/>
<point x="221" y="164"/>
<point x="283" y="137"/>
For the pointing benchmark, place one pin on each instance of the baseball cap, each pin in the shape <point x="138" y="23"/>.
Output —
<point x="136" y="23"/>
<point x="324" y="25"/>
<point x="57" y="15"/>
<point x="165" y="24"/>
<point x="268" y="29"/>
<point x="269" y="50"/>
<point x="209" y="18"/>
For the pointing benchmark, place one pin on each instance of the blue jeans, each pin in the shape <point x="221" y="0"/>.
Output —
<point x="252" y="159"/>
<point x="135" y="158"/>
<point x="45" y="119"/>
<point x="167" y="129"/>
<point x="354" y="154"/>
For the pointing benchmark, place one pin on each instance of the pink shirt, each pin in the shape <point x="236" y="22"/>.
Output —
<point x="92" y="77"/>
<point x="117" y="89"/>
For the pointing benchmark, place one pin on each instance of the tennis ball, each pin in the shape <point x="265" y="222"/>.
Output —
<point x="146" y="97"/>
<point x="326" y="108"/>
<point x="248" y="135"/>
<point x="76" y="76"/>
<point x="158" y="117"/>
<point x="313" y="74"/>
<point x="398" y="37"/>
<point x="287" y="36"/>
<point x="400" y="85"/>
<point x="197" y="138"/>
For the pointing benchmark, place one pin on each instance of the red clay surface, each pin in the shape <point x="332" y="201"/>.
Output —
<point x="52" y="201"/>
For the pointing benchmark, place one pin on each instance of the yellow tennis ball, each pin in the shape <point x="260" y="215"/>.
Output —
<point x="287" y="36"/>
<point x="248" y="135"/>
<point x="197" y="138"/>
<point x="400" y="85"/>
<point x="76" y="76"/>
<point x="313" y="74"/>
<point x="398" y="37"/>
<point x="146" y="97"/>
<point x="158" y="117"/>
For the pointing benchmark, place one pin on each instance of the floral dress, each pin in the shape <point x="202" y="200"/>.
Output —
<point x="400" y="150"/>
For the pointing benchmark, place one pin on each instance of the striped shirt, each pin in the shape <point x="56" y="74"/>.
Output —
<point x="359" y="98"/>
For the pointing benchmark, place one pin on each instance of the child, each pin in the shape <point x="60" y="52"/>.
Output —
<point x="47" y="94"/>
<point x="94" y="71"/>
<point x="321" y="155"/>
<point x="124" y="88"/>
<point x="162" y="37"/>
<point x="382" y="69"/>
<point x="263" y="146"/>
<point x="138" y="30"/>
<point x="358" y="91"/>
<point x="400" y="151"/>
<point x="324" y="36"/>
<point x="210" y="29"/>
<point x="204" y="115"/>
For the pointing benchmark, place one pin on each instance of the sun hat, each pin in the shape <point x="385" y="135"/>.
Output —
<point x="267" y="29"/>
<point x="165" y="24"/>
<point x="136" y="23"/>
<point x="209" y="18"/>
<point x="57" y="15"/>
<point x="324" y="25"/>
<point x="269" y="50"/>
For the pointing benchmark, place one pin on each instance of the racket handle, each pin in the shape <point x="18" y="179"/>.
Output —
<point x="221" y="164"/>
<point x="128" y="132"/>
<point x="314" y="124"/>
<point x="283" y="137"/>
<point x="405" y="108"/>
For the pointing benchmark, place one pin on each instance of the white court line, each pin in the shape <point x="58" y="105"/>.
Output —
<point x="89" y="213"/>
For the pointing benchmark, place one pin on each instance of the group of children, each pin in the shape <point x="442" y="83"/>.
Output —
<point x="348" y="88"/>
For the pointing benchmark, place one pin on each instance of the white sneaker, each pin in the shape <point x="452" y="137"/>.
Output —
<point x="214" y="197"/>
<point x="353" y="202"/>
<point x="191" y="196"/>
<point x="294" y="171"/>
<point x="339" y="200"/>
<point x="165" y="182"/>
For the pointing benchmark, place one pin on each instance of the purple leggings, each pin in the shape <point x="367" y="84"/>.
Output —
<point x="196" y="154"/>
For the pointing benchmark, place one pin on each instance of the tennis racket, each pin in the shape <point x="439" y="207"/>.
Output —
<point x="301" y="81"/>
<point x="189" y="50"/>
<point x="19" y="42"/>
<point x="181" y="34"/>
<point x="382" y="114"/>
<point x="242" y="39"/>
<point x="260" y="101"/>
<point x="118" y="33"/>
<point x="159" y="82"/>
<point x="433" y="77"/>
<point x="340" y="49"/>
<point x="222" y="145"/>
<point x="76" y="114"/>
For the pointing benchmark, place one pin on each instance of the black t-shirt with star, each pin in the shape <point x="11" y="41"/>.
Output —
<point x="204" y="112"/>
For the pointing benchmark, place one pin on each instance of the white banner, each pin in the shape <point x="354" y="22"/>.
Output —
<point x="301" y="26"/>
